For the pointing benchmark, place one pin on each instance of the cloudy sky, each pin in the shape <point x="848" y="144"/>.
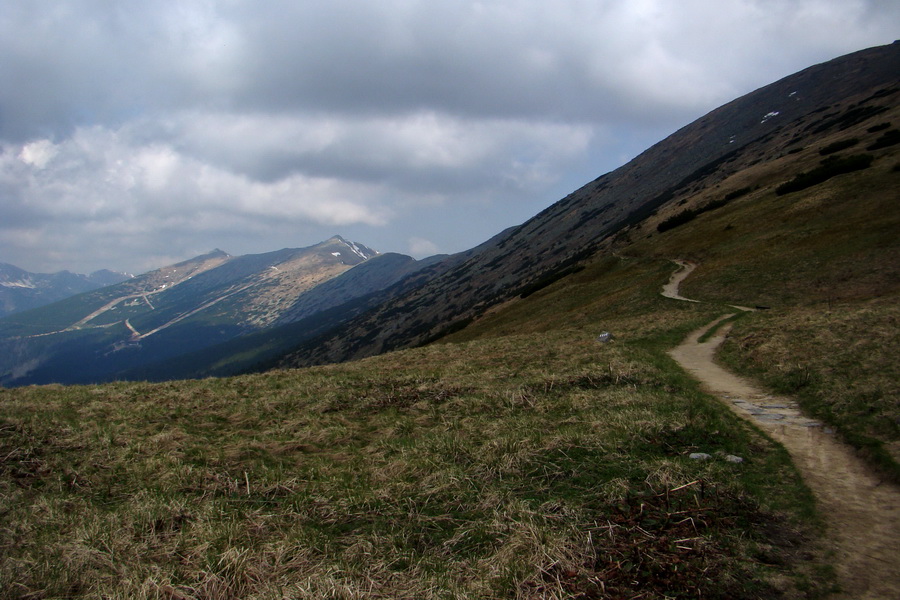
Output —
<point x="134" y="134"/>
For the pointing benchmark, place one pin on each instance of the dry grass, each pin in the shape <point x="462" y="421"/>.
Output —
<point x="839" y="360"/>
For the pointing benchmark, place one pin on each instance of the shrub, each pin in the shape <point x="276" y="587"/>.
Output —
<point x="888" y="138"/>
<point x="829" y="168"/>
<point x="690" y="214"/>
<point x="737" y="194"/>
<point x="677" y="219"/>
<point x="838" y="146"/>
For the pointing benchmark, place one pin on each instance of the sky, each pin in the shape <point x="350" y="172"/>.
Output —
<point x="137" y="134"/>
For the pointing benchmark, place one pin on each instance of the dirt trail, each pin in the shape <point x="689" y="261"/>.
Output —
<point x="862" y="511"/>
<point x="670" y="290"/>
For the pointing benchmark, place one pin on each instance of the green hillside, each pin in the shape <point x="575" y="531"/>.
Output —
<point x="826" y="262"/>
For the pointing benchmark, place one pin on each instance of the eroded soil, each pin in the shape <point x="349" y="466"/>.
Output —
<point x="861" y="510"/>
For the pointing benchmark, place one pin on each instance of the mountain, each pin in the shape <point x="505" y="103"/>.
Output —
<point x="176" y="310"/>
<point x="850" y="92"/>
<point x="315" y="312"/>
<point x="21" y="290"/>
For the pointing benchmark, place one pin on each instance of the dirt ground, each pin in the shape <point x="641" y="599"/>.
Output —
<point x="861" y="510"/>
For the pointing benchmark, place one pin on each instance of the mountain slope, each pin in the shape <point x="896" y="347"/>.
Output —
<point x="821" y="260"/>
<point x="757" y="127"/>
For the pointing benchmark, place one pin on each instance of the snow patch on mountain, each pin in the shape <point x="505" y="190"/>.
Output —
<point x="355" y="249"/>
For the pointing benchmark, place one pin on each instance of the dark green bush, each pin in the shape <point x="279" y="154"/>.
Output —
<point x="690" y="214"/>
<point x="829" y="168"/>
<point x="888" y="138"/>
<point x="737" y="194"/>
<point x="838" y="146"/>
<point x="677" y="219"/>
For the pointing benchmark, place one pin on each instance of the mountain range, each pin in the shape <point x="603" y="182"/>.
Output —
<point x="339" y="300"/>
<point x="21" y="290"/>
<point x="185" y="307"/>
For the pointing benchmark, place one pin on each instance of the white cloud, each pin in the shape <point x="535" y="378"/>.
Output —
<point x="38" y="153"/>
<point x="420" y="247"/>
<point x="101" y="184"/>
<point x="216" y="173"/>
<point x="102" y="173"/>
<point x="378" y="147"/>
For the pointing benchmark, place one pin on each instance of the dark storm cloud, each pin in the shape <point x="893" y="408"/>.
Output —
<point x="133" y="132"/>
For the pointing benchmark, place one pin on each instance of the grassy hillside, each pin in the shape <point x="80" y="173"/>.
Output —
<point x="823" y="263"/>
<point x="532" y="462"/>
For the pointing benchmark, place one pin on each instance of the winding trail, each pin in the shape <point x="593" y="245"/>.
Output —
<point x="862" y="512"/>
<point x="670" y="289"/>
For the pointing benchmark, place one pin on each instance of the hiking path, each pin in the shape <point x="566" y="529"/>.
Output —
<point x="861" y="510"/>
